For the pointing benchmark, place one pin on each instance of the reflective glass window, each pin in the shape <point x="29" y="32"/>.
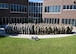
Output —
<point x="64" y="7"/>
<point x="67" y="6"/>
<point x="71" y="6"/>
<point x="74" y="6"/>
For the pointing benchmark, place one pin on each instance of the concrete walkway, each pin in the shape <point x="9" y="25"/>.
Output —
<point x="42" y="36"/>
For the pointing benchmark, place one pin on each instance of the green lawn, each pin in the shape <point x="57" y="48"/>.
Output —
<point x="65" y="45"/>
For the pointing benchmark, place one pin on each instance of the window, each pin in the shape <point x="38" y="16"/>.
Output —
<point x="44" y="20"/>
<point x="41" y="4"/>
<point x="3" y="6"/>
<point x="46" y="9"/>
<point x="69" y="21"/>
<point x="74" y="6"/>
<point x="64" y="7"/>
<point x="40" y="9"/>
<point x="58" y="21"/>
<point x="58" y="8"/>
<point x="36" y="4"/>
<point x="75" y="22"/>
<point x="55" y="20"/>
<point x="17" y="8"/>
<point x="11" y="7"/>
<point x="71" y="6"/>
<point x="50" y="20"/>
<point x="25" y="10"/>
<point x="67" y="6"/>
<point x="72" y="21"/>
<point x="30" y="4"/>
<point x="63" y="21"/>
<point x="22" y="8"/>
<point x="52" y="9"/>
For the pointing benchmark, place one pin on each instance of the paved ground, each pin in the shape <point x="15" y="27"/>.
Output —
<point x="42" y="36"/>
<point x="74" y="29"/>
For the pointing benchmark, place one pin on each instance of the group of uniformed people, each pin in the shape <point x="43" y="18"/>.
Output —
<point x="37" y="28"/>
<point x="19" y="28"/>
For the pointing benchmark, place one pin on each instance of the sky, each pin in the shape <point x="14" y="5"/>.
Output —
<point x="36" y="0"/>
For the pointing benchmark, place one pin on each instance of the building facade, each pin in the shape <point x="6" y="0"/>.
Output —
<point x="48" y="11"/>
<point x="13" y="11"/>
<point x="35" y="12"/>
<point x="59" y="12"/>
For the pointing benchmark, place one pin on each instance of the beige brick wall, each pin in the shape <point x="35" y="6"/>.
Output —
<point x="63" y="13"/>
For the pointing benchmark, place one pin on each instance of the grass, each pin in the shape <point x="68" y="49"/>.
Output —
<point x="65" y="45"/>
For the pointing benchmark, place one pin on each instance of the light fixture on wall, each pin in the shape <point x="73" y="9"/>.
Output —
<point x="74" y="2"/>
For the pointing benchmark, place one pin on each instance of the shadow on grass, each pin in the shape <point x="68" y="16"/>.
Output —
<point x="2" y="36"/>
<point x="13" y="35"/>
<point x="7" y="35"/>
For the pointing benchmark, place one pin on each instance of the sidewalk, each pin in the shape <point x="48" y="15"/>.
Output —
<point x="42" y="36"/>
